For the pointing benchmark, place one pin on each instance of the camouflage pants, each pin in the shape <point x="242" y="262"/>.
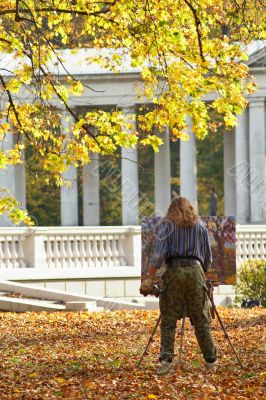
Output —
<point x="185" y="285"/>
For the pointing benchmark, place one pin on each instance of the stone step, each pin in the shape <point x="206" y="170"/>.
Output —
<point x="85" y="305"/>
<point x="17" y="304"/>
<point x="41" y="293"/>
<point x="58" y="295"/>
<point x="50" y="296"/>
<point x="115" y="304"/>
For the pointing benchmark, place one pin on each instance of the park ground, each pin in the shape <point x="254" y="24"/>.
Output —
<point x="93" y="356"/>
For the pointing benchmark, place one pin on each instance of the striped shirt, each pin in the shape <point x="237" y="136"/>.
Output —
<point x="172" y="240"/>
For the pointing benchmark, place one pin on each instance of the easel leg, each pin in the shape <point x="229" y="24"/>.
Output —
<point x="225" y="332"/>
<point x="179" y="363"/>
<point x="149" y="341"/>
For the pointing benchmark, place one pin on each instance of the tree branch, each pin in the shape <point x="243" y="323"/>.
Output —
<point x="10" y="99"/>
<point x="12" y="105"/>
<point x="17" y="11"/>
<point x="197" y="25"/>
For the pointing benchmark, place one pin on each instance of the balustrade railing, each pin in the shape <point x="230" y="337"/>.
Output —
<point x="251" y="242"/>
<point x="11" y="250"/>
<point x="92" y="251"/>
<point x="71" y="251"/>
<point x="82" y="250"/>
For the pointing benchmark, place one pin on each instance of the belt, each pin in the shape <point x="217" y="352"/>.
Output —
<point x="182" y="262"/>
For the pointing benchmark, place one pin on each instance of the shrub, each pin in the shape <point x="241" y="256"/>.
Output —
<point x="251" y="282"/>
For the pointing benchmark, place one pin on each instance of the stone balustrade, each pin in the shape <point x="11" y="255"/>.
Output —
<point x="11" y="249"/>
<point x="69" y="252"/>
<point x="251" y="242"/>
<point x="92" y="252"/>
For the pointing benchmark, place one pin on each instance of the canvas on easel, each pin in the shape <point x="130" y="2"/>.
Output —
<point x="222" y="237"/>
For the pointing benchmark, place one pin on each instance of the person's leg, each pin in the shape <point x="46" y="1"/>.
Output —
<point x="171" y="308"/>
<point x="198" y="309"/>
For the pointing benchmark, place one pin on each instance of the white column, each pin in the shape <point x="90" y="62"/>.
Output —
<point x="130" y="182"/>
<point x="229" y="181"/>
<point x="241" y="170"/>
<point x="20" y="182"/>
<point x="91" y="192"/>
<point x="188" y="169"/>
<point x="69" y="195"/>
<point x="20" y="178"/>
<point x="162" y="174"/>
<point x="7" y="176"/>
<point x="257" y="159"/>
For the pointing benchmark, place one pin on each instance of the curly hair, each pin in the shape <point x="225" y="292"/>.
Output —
<point x="182" y="212"/>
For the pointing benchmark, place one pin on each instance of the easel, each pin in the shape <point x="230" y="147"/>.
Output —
<point x="214" y="313"/>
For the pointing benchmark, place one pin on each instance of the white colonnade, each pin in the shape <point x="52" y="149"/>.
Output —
<point x="244" y="151"/>
<point x="129" y="180"/>
<point x="244" y="174"/>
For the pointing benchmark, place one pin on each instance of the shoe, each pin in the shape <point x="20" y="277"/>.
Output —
<point x="211" y="366"/>
<point x="165" y="367"/>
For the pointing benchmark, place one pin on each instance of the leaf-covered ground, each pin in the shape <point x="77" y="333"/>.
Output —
<point x="93" y="356"/>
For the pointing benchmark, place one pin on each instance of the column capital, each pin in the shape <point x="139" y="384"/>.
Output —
<point x="256" y="102"/>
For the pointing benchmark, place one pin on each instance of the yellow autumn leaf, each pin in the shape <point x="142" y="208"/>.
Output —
<point x="33" y="375"/>
<point x="60" y="380"/>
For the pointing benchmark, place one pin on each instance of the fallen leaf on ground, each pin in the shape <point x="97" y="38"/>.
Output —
<point x="94" y="356"/>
